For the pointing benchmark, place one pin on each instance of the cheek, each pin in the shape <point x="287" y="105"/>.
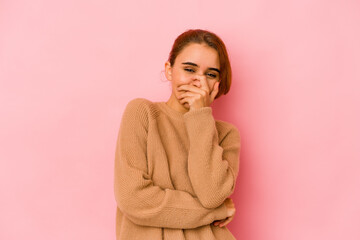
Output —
<point x="181" y="77"/>
<point x="178" y="83"/>
<point x="179" y="80"/>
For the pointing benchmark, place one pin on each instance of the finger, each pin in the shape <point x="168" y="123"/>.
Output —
<point x="188" y="94"/>
<point x="216" y="223"/>
<point x="204" y="84"/>
<point x="221" y="221"/>
<point x="231" y="212"/>
<point x="214" y="91"/>
<point x="188" y="100"/>
<point x="227" y="221"/>
<point x="189" y="88"/>
<point x="184" y="100"/>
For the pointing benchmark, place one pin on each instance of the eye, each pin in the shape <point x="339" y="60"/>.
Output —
<point x="189" y="70"/>
<point x="212" y="75"/>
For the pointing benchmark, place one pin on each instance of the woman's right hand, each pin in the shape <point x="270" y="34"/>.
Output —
<point x="230" y="213"/>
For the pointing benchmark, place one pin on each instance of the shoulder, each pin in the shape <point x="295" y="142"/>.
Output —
<point x="138" y="103"/>
<point x="227" y="130"/>
<point x="139" y="108"/>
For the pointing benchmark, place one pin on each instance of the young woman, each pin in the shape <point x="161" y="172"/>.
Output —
<point x="175" y="165"/>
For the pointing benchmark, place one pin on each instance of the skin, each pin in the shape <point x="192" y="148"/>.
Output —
<point x="231" y="213"/>
<point x="194" y="87"/>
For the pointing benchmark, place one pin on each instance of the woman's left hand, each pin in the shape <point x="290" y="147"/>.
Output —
<point x="198" y="97"/>
<point x="231" y="213"/>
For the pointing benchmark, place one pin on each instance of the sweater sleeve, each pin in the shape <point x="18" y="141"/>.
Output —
<point x="137" y="197"/>
<point x="212" y="165"/>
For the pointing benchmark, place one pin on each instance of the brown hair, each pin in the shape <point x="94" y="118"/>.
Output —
<point x="212" y="40"/>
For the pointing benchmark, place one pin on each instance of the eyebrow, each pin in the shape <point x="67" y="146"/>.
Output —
<point x="195" y="65"/>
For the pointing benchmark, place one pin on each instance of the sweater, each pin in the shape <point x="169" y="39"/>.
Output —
<point x="173" y="172"/>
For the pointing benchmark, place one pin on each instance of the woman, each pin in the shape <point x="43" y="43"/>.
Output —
<point x="175" y="165"/>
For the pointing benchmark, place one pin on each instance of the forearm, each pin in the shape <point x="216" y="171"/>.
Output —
<point x="150" y="205"/>
<point x="212" y="168"/>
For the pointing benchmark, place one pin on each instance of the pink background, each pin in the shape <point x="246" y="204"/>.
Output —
<point x="68" y="68"/>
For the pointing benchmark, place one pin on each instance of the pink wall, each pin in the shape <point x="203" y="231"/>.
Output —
<point x="68" y="68"/>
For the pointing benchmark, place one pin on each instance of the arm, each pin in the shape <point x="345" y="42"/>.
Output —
<point x="137" y="197"/>
<point x="213" y="167"/>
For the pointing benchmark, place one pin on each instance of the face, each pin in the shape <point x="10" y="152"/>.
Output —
<point x="193" y="62"/>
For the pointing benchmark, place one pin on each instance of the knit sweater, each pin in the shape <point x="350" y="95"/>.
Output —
<point x="173" y="172"/>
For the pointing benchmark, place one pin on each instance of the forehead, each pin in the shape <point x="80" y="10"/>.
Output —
<point x="201" y="54"/>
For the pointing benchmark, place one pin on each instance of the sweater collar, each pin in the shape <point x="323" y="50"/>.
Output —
<point x="171" y="112"/>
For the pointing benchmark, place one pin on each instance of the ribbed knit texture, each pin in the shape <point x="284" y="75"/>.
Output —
<point x="173" y="172"/>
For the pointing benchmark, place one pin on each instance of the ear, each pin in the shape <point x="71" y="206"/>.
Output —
<point x="168" y="70"/>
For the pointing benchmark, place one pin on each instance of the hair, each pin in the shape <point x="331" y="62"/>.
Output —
<point x="212" y="40"/>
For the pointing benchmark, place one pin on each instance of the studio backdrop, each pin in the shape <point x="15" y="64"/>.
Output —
<point x="68" y="68"/>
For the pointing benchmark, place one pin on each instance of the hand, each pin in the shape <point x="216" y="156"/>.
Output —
<point x="231" y="213"/>
<point x="198" y="97"/>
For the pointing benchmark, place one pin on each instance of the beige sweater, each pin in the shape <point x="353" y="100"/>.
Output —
<point x="173" y="172"/>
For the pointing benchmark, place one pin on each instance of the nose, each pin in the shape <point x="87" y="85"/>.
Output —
<point x="198" y="76"/>
<point x="196" y="79"/>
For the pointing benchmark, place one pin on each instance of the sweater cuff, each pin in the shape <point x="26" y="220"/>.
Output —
<point x="198" y="114"/>
<point x="204" y="110"/>
<point x="198" y="120"/>
<point x="222" y="212"/>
